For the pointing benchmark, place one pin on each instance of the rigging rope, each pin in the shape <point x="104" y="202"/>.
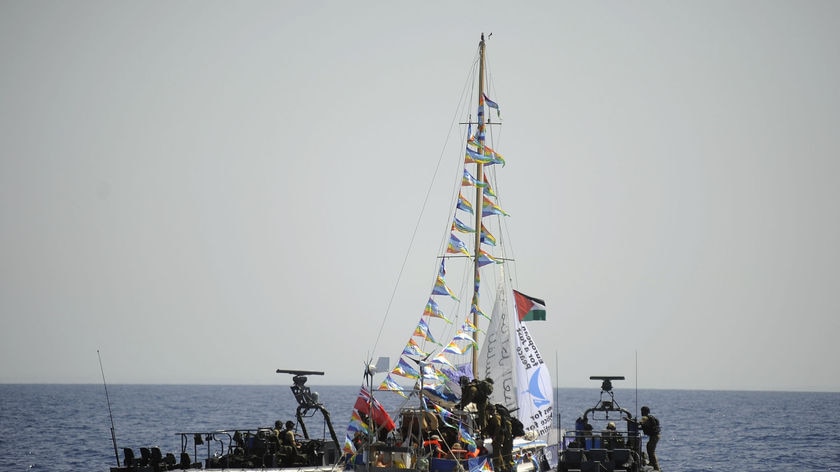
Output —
<point x="425" y="201"/>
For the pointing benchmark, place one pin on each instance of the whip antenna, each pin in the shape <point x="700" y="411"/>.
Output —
<point x="111" y="415"/>
<point x="637" y="381"/>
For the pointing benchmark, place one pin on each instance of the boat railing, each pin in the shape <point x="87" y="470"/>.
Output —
<point x="220" y="444"/>
<point x="227" y="448"/>
<point x="583" y="439"/>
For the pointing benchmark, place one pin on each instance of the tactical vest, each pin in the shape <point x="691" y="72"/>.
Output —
<point x="651" y="426"/>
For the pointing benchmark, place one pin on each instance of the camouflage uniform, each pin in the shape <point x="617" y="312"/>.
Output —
<point x="478" y="392"/>
<point x="650" y="426"/>
<point x="468" y="391"/>
<point x="485" y="389"/>
<point x="288" y="444"/>
<point x="507" y="442"/>
<point x="495" y="431"/>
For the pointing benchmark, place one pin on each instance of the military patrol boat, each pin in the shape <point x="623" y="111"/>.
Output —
<point x="463" y="407"/>
<point x="605" y="437"/>
<point x="261" y="448"/>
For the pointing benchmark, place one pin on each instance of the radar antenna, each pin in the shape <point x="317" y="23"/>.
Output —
<point x="307" y="400"/>
<point x="606" y="387"/>
<point x="303" y="394"/>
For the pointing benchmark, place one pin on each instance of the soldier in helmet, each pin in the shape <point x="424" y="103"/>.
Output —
<point x="611" y="438"/>
<point x="478" y="392"/>
<point x="468" y="392"/>
<point x="495" y="431"/>
<point x="507" y="438"/>
<point x="288" y="443"/>
<point x="485" y="389"/>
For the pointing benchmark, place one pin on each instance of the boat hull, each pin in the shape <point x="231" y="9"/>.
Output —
<point x="299" y="469"/>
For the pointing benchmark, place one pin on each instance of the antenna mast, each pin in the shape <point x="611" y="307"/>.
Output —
<point x="108" y="399"/>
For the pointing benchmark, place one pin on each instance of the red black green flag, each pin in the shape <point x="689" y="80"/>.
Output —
<point x="529" y="308"/>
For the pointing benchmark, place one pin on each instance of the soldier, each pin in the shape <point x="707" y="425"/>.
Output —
<point x="507" y="440"/>
<point x="478" y="392"/>
<point x="483" y="390"/>
<point x="468" y="392"/>
<point x="612" y="440"/>
<point x="288" y="435"/>
<point x="288" y="443"/>
<point x="495" y="431"/>
<point x="650" y="426"/>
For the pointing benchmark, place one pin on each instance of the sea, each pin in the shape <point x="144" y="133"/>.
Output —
<point x="66" y="428"/>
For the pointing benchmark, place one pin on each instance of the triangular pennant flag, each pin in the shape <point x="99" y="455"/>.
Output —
<point x="456" y="246"/>
<point x="453" y="348"/>
<point x="440" y="287"/>
<point x="433" y="310"/>
<point x="458" y="225"/>
<point x="349" y="448"/>
<point x="441" y="359"/>
<point x="422" y="331"/>
<point x="493" y="105"/>
<point x="445" y="415"/>
<point x="484" y="467"/>
<point x="429" y="371"/>
<point x="465" y="205"/>
<point x="357" y="423"/>
<point x="484" y="259"/>
<point x="413" y="349"/>
<point x="466" y="438"/>
<point x="490" y="208"/>
<point x="392" y="386"/>
<point x="463" y="336"/>
<point x="486" y="237"/>
<point x="468" y="180"/>
<point x="404" y="369"/>
<point x="488" y="157"/>
<point x="488" y="190"/>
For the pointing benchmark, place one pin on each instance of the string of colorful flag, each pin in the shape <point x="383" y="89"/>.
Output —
<point x="414" y="362"/>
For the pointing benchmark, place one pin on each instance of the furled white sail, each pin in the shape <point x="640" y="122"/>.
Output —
<point x="511" y="358"/>
<point x="497" y="355"/>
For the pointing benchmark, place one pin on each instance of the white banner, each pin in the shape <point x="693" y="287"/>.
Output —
<point x="534" y="389"/>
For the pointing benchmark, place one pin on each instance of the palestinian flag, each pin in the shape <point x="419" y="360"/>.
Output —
<point x="529" y="308"/>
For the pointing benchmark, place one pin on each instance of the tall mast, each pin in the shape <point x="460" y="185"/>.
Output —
<point x="479" y="198"/>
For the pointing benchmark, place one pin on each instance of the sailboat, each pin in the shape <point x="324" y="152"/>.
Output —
<point x="481" y="400"/>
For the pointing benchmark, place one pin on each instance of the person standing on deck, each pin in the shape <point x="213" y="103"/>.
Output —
<point x="650" y="426"/>
<point x="495" y="431"/>
<point x="478" y="392"/>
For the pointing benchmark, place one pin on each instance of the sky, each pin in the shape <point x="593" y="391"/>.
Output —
<point x="204" y="192"/>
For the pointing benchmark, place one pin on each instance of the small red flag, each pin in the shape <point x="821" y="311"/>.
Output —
<point x="365" y="403"/>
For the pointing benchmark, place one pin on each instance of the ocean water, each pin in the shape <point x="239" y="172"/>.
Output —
<point x="66" y="428"/>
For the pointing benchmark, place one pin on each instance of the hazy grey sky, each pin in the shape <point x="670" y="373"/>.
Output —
<point x="186" y="186"/>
